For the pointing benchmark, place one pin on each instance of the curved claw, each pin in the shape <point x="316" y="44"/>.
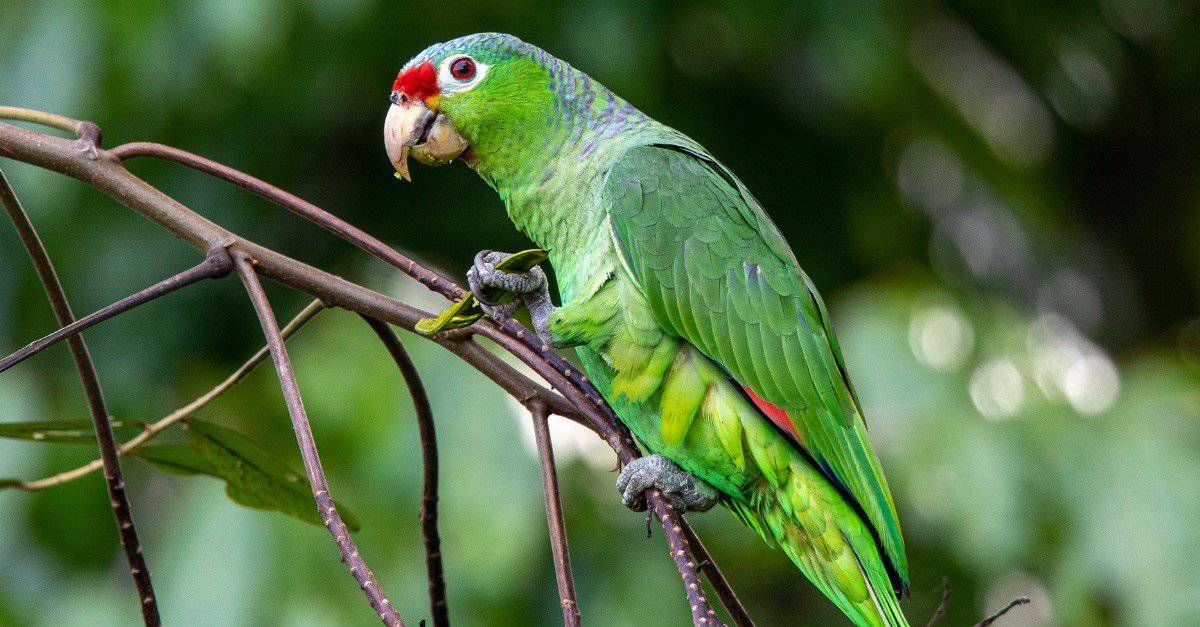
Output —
<point x="477" y="288"/>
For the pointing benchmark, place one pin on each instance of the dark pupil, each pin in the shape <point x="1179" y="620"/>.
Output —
<point x="462" y="68"/>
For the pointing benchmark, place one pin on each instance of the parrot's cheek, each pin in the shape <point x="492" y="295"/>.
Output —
<point x="412" y="128"/>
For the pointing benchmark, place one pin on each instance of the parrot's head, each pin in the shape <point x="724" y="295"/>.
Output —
<point x="475" y="96"/>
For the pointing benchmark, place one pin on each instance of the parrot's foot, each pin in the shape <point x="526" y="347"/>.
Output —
<point x="685" y="491"/>
<point x="531" y="288"/>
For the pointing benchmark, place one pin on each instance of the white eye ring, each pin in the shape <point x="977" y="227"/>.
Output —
<point x="452" y="84"/>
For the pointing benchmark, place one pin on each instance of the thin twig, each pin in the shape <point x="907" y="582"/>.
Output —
<point x="554" y="515"/>
<point x="114" y="481"/>
<point x="438" y="609"/>
<point x="308" y="446"/>
<point x="1002" y="611"/>
<point x="191" y="408"/>
<point x="51" y="120"/>
<point x="215" y="265"/>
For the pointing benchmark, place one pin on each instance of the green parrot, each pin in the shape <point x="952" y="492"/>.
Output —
<point x="686" y="306"/>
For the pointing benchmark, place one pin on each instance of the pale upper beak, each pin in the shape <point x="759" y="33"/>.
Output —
<point x="413" y="129"/>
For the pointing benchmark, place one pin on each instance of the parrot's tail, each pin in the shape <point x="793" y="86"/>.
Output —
<point x="797" y="509"/>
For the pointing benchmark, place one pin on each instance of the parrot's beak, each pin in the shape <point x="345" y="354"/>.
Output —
<point x="412" y="128"/>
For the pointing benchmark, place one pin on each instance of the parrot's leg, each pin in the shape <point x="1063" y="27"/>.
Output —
<point x="686" y="491"/>
<point x="531" y="287"/>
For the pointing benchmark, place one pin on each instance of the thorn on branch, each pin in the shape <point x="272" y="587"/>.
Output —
<point x="88" y="137"/>
<point x="1002" y="611"/>
<point x="943" y="606"/>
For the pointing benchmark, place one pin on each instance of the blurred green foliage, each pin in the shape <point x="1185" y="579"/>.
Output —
<point x="999" y="199"/>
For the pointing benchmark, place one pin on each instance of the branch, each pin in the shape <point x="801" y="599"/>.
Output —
<point x="51" y="120"/>
<point x="360" y="238"/>
<point x="438" y="608"/>
<point x="216" y="265"/>
<point x="308" y="447"/>
<point x="554" y="515"/>
<point x="114" y="481"/>
<point x="508" y="335"/>
<point x="308" y="313"/>
<point x="579" y="401"/>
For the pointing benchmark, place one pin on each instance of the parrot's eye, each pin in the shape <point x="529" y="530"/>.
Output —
<point x="463" y="68"/>
<point x="460" y="73"/>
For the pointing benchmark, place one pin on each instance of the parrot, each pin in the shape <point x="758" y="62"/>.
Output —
<point x="684" y="303"/>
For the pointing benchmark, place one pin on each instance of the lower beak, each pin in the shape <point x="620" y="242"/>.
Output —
<point x="412" y="128"/>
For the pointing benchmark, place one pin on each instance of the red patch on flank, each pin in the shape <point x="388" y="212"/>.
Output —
<point x="777" y="415"/>
<point x="418" y="82"/>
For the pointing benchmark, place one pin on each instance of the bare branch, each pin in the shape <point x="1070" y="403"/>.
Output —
<point x="438" y="609"/>
<point x="114" y="481"/>
<point x="308" y="446"/>
<point x="554" y="515"/>
<point x="604" y="422"/>
<point x="360" y="238"/>
<point x="152" y="430"/>
<point x="217" y="264"/>
<point x="106" y="174"/>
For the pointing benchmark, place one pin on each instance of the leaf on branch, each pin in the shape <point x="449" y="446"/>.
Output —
<point x="65" y="431"/>
<point x="465" y="312"/>
<point x="252" y="476"/>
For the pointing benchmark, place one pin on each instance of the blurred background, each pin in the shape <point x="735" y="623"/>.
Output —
<point x="999" y="200"/>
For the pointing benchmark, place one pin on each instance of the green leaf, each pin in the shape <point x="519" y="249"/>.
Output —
<point x="64" y="431"/>
<point x="252" y="476"/>
<point x="452" y="318"/>
<point x="465" y="312"/>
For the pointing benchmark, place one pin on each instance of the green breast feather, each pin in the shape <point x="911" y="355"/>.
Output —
<point x="718" y="274"/>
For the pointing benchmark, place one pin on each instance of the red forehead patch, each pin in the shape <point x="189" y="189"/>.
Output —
<point x="418" y="82"/>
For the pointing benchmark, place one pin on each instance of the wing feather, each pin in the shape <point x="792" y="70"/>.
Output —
<point x="718" y="274"/>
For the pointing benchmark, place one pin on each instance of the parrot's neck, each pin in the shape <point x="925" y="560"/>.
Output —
<point x="550" y="177"/>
